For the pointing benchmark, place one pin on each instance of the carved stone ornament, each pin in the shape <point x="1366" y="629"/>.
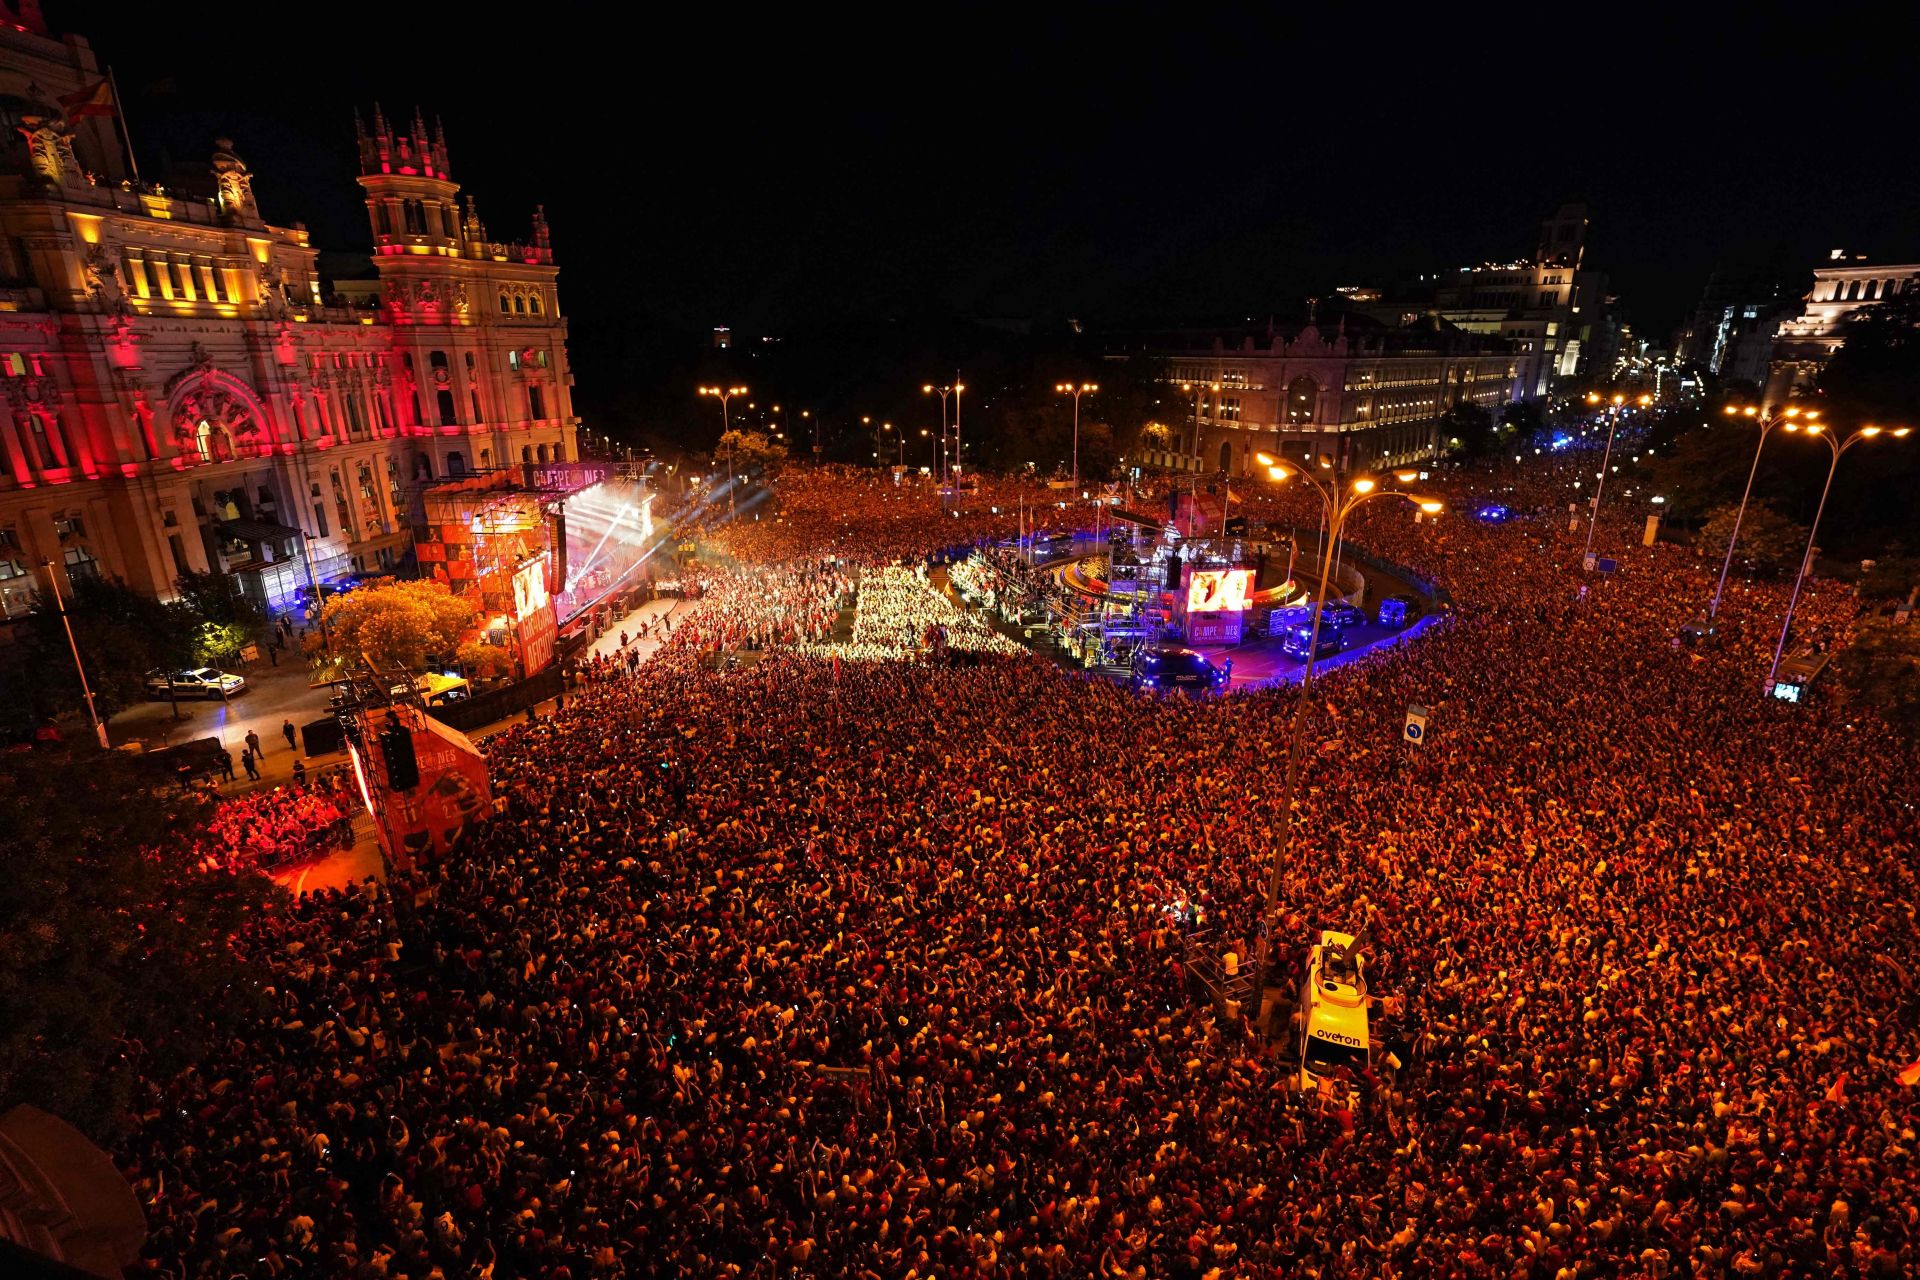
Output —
<point x="103" y="281"/>
<point x="273" y="295"/>
<point x="220" y="409"/>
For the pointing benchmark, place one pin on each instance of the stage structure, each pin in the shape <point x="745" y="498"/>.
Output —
<point x="533" y="546"/>
<point x="426" y="784"/>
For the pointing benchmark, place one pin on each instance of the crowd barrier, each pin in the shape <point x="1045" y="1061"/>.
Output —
<point x="483" y="709"/>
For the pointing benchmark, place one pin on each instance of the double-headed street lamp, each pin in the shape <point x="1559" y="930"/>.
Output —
<point x="1197" y="388"/>
<point x="1613" y="423"/>
<point x="952" y="389"/>
<point x="1076" y="390"/>
<point x="1781" y="419"/>
<point x="726" y="434"/>
<point x="1838" y="447"/>
<point x="1339" y="501"/>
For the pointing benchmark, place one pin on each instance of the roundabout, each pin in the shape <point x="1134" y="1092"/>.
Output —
<point x="1243" y="603"/>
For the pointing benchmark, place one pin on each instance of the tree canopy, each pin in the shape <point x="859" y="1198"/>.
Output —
<point x="1769" y="542"/>
<point x="111" y="939"/>
<point x="389" y="624"/>
<point x="123" y="636"/>
<point x="749" y="451"/>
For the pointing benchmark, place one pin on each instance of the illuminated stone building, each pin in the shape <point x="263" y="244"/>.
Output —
<point x="182" y="391"/>
<point x="1547" y="306"/>
<point x="1804" y="344"/>
<point x="1358" y="392"/>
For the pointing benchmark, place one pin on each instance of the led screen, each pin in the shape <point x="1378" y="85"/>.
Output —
<point x="1219" y="591"/>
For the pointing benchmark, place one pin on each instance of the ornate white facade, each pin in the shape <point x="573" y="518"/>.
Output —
<point x="182" y="394"/>
<point x="1803" y="345"/>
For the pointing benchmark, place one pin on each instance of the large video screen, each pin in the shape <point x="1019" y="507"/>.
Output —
<point x="1219" y="590"/>
<point x="529" y="588"/>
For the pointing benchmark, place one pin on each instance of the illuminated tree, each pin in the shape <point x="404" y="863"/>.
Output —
<point x="484" y="660"/>
<point x="389" y="624"/>
<point x="749" y="451"/>
<point x="219" y="643"/>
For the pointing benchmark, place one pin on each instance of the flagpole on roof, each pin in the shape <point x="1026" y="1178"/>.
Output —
<point x="120" y="114"/>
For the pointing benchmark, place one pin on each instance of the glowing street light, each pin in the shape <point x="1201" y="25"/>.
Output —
<point x="1781" y="419"/>
<point x="1076" y="390"/>
<point x="726" y="434"/>
<point x="1838" y="447"/>
<point x="1613" y="423"/>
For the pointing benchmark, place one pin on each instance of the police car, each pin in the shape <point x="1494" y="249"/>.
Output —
<point x="1173" y="667"/>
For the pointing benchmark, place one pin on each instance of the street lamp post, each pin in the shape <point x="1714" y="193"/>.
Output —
<point x="943" y="392"/>
<point x="954" y="463"/>
<point x="1339" y="502"/>
<point x="1613" y="423"/>
<point x="1838" y="447"/>
<point x="1194" y="490"/>
<point x="1766" y="428"/>
<point x="86" y="690"/>
<point x="1076" y="390"/>
<point x="726" y="434"/>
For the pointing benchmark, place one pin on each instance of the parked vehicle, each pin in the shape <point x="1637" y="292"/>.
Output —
<point x="1299" y="638"/>
<point x="1396" y="611"/>
<point x="201" y="682"/>
<point x="1174" y="667"/>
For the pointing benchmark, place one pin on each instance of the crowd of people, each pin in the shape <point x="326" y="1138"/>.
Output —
<point x="277" y="827"/>
<point x="864" y="969"/>
<point x="900" y="614"/>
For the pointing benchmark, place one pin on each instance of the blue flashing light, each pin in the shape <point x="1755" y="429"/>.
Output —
<point x="1494" y="513"/>
<point x="1560" y="442"/>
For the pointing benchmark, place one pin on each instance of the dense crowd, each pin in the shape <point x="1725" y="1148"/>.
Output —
<point x="863" y="969"/>
<point x="280" y="826"/>
<point x="900" y="614"/>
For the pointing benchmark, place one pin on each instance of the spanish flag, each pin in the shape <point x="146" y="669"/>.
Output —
<point x="94" y="100"/>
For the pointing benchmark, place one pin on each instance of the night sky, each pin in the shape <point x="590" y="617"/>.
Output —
<point x="1119" y="164"/>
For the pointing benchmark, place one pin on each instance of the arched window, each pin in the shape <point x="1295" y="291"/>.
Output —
<point x="1226" y="455"/>
<point x="486" y="458"/>
<point x="506" y="303"/>
<point x="456" y="463"/>
<point x="416" y="217"/>
<point x="520" y="304"/>
<point x="526" y="453"/>
<point x="214" y="443"/>
<point x="1303" y="395"/>
<point x="533" y="303"/>
<point x="541" y="453"/>
<point x="536" y="402"/>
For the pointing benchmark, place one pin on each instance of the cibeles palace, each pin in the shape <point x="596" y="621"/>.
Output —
<point x="184" y="392"/>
